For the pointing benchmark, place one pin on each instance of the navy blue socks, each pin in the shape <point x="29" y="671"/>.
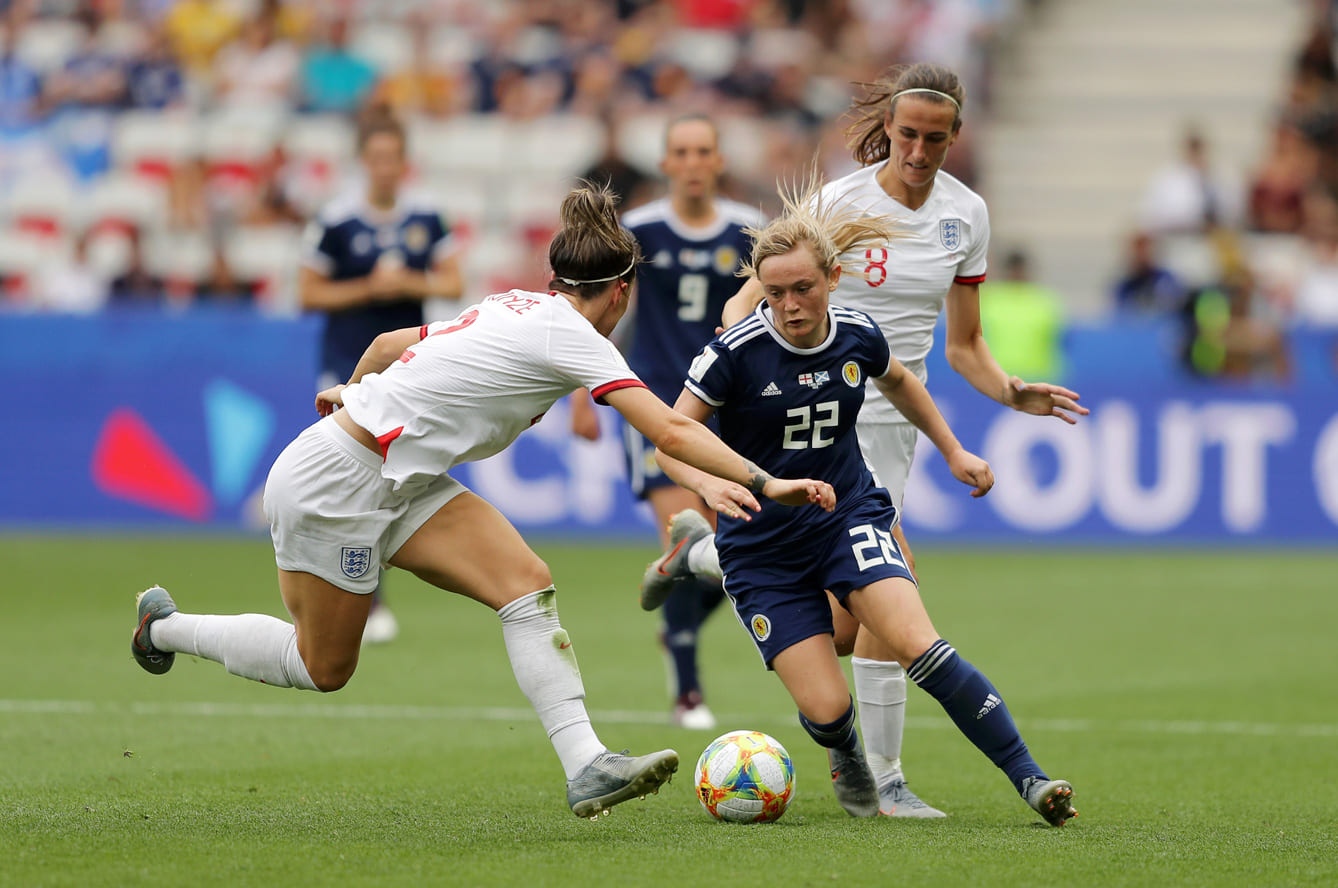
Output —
<point x="839" y="734"/>
<point x="977" y="709"/>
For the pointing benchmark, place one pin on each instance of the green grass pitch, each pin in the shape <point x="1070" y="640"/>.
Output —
<point x="1189" y="697"/>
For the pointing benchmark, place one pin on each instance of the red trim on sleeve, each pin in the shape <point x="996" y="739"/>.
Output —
<point x="422" y="333"/>
<point x="599" y="392"/>
<point x="384" y="440"/>
<point x="973" y="279"/>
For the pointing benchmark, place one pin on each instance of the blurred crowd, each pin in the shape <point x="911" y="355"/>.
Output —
<point x="1248" y="258"/>
<point x="158" y="152"/>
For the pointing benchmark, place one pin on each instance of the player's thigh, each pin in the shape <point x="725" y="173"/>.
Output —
<point x="845" y="627"/>
<point x="810" y="672"/>
<point x="329" y="623"/>
<point x="668" y="502"/>
<point x="469" y="547"/>
<point x="891" y="609"/>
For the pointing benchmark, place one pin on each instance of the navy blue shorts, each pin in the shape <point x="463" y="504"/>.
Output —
<point x="781" y="607"/>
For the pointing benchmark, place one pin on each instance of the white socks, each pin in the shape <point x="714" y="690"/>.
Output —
<point x="546" y="670"/>
<point x="880" y="689"/>
<point x="703" y="560"/>
<point x="254" y="646"/>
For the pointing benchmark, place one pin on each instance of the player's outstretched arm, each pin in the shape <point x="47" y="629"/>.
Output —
<point x="685" y="439"/>
<point x="909" y="395"/>
<point x="970" y="356"/>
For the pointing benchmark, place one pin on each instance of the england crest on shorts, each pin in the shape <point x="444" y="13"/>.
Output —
<point x="356" y="561"/>
<point x="950" y="233"/>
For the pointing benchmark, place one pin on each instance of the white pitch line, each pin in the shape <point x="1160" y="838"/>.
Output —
<point x="360" y="712"/>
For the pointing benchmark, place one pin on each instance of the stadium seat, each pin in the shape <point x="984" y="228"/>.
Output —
<point x="43" y="204"/>
<point x="385" y="45"/>
<point x="451" y="45"/>
<point x="467" y="144"/>
<point x="178" y="257"/>
<point x="640" y="141"/>
<point x="152" y="143"/>
<point x="109" y="251"/>
<point x="706" y="54"/>
<point x="269" y="256"/>
<point x="465" y="202"/>
<point x="45" y="45"/>
<point x="125" y="198"/>
<point x="23" y="256"/>
<point x="559" y="145"/>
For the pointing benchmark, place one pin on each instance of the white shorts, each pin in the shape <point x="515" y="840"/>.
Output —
<point x="889" y="449"/>
<point x="332" y="514"/>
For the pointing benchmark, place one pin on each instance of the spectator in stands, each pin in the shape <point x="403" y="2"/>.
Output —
<point x="1232" y="331"/>
<point x="198" y="29"/>
<point x="1276" y="193"/>
<point x="153" y="78"/>
<point x="333" y="78"/>
<point x="20" y="85"/>
<point x="258" y="68"/>
<point x="83" y="96"/>
<point x="136" y="285"/>
<point x="1316" y="297"/>
<point x="1146" y="287"/>
<point x="1024" y="321"/>
<point x="1189" y="196"/>
<point x="222" y="286"/>
<point x="422" y="86"/>
<point x="631" y="185"/>
<point x="70" y="286"/>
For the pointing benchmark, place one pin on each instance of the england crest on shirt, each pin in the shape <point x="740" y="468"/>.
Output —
<point x="950" y="233"/>
<point x="356" y="561"/>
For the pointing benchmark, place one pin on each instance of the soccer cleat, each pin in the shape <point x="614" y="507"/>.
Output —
<point x="691" y="713"/>
<point x="853" y="782"/>
<point x="152" y="604"/>
<point x="616" y="777"/>
<point x="381" y="626"/>
<point x="685" y="529"/>
<point x="1052" y="799"/>
<point x="895" y="799"/>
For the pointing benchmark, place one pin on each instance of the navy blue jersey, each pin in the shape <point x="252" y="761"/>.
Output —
<point x="345" y="242"/>
<point x="682" y="287"/>
<point x="792" y="411"/>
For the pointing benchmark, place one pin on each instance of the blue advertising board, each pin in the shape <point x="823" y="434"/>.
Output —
<point x="133" y="421"/>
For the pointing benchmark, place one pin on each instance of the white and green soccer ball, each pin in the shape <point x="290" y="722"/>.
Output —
<point x="745" y="777"/>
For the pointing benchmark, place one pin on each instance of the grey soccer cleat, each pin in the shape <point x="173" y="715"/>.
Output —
<point x="152" y="604"/>
<point x="616" y="777"/>
<point x="853" y="782"/>
<point x="895" y="799"/>
<point x="1052" y="799"/>
<point x="685" y="529"/>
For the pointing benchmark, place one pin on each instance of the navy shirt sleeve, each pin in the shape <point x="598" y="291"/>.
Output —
<point x="710" y="375"/>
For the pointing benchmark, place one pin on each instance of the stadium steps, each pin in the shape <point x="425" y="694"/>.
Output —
<point x="1091" y="101"/>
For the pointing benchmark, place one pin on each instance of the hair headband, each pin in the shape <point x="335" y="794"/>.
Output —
<point x="925" y="89"/>
<point x="613" y="277"/>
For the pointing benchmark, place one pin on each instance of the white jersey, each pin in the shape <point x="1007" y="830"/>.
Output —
<point x="471" y="385"/>
<point x="908" y="279"/>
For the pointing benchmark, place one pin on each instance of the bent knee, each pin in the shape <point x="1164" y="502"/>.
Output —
<point x="531" y="575"/>
<point x="328" y="677"/>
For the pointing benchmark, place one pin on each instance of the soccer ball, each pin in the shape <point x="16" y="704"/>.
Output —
<point x="745" y="777"/>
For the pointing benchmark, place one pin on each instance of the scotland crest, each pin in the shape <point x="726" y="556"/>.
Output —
<point x="950" y="233"/>
<point x="356" y="561"/>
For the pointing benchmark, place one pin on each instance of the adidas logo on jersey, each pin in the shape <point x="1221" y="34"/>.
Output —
<point x="771" y="389"/>
<point x="990" y="702"/>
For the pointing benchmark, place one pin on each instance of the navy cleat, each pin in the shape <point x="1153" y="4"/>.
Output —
<point x="152" y="604"/>
<point x="1052" y="799"/>
<point x="853" y="782"/>
<point x="685" y="529"/>
<point x="616" y="777"/>
<point x="895" y="799"/>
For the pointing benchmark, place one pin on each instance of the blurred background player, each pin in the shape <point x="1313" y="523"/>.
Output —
<point x="904" y="125"/>
<point x="370" y="259"/>
<point x="693" y="242"/>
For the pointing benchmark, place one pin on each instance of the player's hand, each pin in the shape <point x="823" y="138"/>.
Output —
<point x="801" y="492"/>
<point x="584" y="419"/>
<point x="330" y="400"/>
<point x="971" y="470"/>
<point x="386" y="280"/>
<point x="728" y="498"/>
<point x="1044" y="399"/>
